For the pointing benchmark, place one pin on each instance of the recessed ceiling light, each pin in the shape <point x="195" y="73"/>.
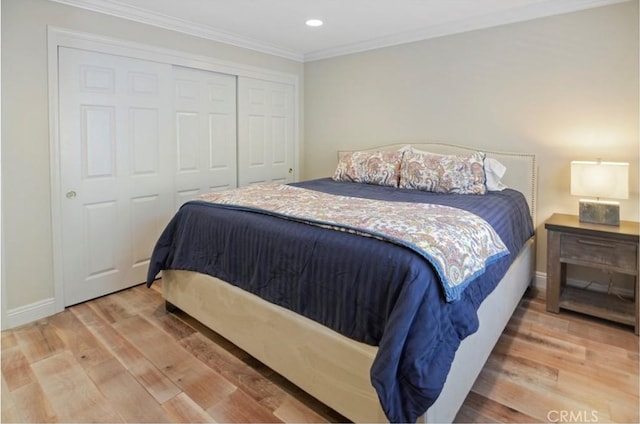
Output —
<point x="314" y="22"/>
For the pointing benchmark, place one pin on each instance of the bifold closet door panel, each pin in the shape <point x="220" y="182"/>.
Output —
<point x="266" y="125"/>
<point x="115" y="168"/>
<point x="205" y="132"/>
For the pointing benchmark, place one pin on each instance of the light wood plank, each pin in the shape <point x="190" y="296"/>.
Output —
<point x="328" y="414"/>
<point x="240" y="408"/>
<point x="16" y="371"/>
<point x="110" y="308"/>
<point x="126" y="395"/>
<point x="38" y="340"/>
<point x="77" y="339"/>
<point x="121" y="348"/>
<point x="529" y="399"/>
<point x="72" y="394"/>
<point x="170" y="323"/>
<point x="601" y="371"/>
<point x="250" y="380"/>
<point x="139" y="298"/>
<point x="479" y="409"/>
<point x="30" y="404"/>
<point x="291" y="410"/>
<point x="522" y="370"/>
<point x="9" y="412"/>
<point x="201" y="383"/>
<point x="182" y="409"/>
<point x="528" y="314"/>
<point x="582" y="386"/>
<point x="156" y="383"/>
<point x="8" y="340"/>
<point x="550" y="345"/>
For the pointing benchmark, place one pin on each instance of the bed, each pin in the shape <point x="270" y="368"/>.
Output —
<point x="346" y="372"/>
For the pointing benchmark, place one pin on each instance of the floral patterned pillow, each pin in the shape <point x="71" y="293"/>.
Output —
<point x="380" y="168"/>
<point x="443" y="173"/>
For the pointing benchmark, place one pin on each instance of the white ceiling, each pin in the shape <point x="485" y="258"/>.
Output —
<point x="277" y="26"/>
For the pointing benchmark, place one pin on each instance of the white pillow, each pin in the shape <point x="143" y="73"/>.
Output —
<point x="494" y="171"/>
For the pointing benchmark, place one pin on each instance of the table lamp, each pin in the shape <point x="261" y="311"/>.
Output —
<point x="609" y="180"/>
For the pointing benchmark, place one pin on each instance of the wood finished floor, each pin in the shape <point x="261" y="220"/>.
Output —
<point x="122" y="358"/>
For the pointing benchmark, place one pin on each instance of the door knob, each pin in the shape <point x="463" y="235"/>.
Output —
<point x="290" y="170"/>
<point x="71" y="194"/>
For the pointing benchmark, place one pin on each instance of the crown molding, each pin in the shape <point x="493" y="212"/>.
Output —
<point x="120" y="10"/>
<point x="529" y="12"/>
<point x="526" y="13"/>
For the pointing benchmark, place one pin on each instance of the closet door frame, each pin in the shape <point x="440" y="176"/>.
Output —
<point x="61" y="37"/>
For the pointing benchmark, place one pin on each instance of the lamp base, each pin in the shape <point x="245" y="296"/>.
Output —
<point x="600" y="212"/>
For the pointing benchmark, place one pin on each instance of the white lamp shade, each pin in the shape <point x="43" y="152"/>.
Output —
<point x="600" y="179"/>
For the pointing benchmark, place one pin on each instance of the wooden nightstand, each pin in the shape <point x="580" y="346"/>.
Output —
<point x="602" y="247"/>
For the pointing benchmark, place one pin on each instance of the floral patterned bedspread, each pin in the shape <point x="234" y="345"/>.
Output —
<point x="459" y="244"/>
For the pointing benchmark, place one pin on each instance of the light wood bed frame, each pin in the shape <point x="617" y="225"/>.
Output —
<point x="331" y="367"/>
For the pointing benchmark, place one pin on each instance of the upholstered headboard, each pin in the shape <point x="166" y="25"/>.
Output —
<point x="521" y="171"/>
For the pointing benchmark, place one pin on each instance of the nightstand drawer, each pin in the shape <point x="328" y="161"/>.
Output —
<point x="599" y="251"/>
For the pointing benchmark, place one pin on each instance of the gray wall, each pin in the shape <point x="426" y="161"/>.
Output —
<point x="27" y="232"/>
<point x="563" y="87"/>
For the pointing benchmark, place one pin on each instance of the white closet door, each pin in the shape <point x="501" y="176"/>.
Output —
<point x="116" y="166"/>
<point x="266" y="124"/>
<point x="205" y="125"/>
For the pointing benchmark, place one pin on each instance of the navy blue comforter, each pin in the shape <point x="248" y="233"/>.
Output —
<point x="370" y="290"/>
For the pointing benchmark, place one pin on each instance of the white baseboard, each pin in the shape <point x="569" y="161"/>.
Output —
<point x="540" y="281"/>
<point x="29" y="313"/>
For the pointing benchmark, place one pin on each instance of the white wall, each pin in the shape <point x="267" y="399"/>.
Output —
<point x="27" y="232"/>
<point x="563" y="87"/>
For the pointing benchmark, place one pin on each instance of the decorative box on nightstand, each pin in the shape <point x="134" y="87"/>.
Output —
<point x="603" y="247"/>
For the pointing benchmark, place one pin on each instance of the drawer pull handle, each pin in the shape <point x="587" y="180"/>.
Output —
<point x="596" y="243"/>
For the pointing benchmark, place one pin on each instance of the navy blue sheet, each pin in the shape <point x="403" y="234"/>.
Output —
<point x="369" y="290"/>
